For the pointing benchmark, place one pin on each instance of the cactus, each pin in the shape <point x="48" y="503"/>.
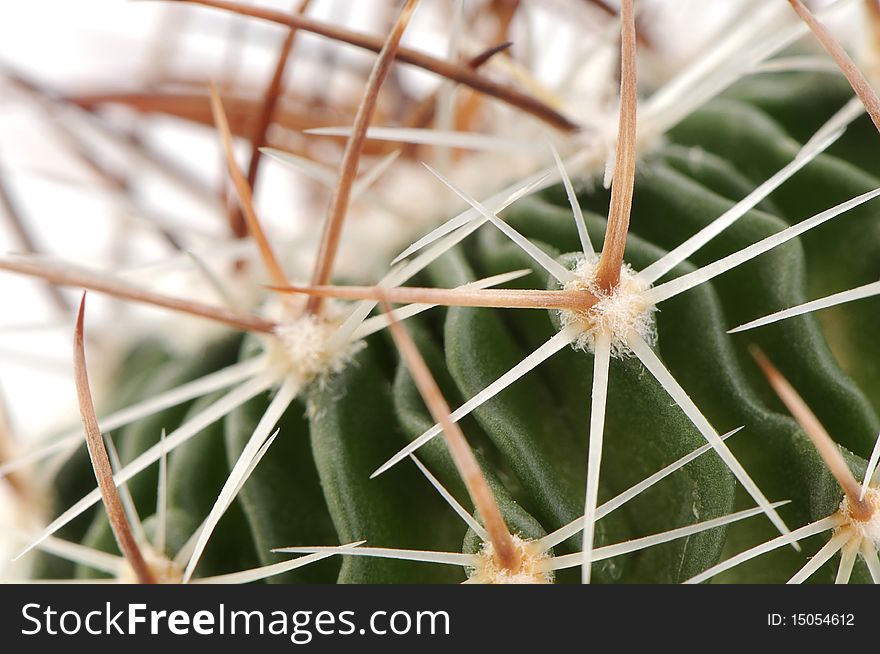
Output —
<point x="549" y="387"/>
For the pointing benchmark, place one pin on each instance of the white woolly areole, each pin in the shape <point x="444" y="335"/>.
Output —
<point x="164" y="570"/>
<point x="532" y="569"/>
<point x="302" y="345"/>
<point x="617" y="313"/>
<point x="301" y="348"/>
<point x="869" y="528"/>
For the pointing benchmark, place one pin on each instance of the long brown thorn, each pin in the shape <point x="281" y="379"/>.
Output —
<point x="468" y="467"/>
<point x="83" y="279"/>
<point x="611" y="259"/>
<point x="101" y="463"/>
<point x="847" y="66"/>
<point x="454" y="71"/>
<point x="497" y="298"/>
<point x="808" y="421"/>
<point x="244" y="193"/>
<point x="338" y="208"/>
